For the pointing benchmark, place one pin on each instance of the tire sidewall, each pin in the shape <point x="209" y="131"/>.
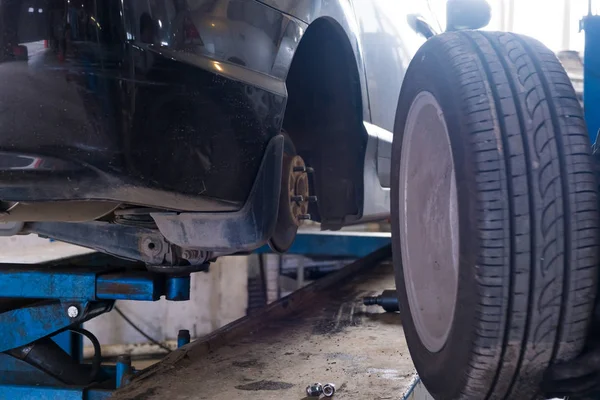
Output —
<point x="443" y="372"/>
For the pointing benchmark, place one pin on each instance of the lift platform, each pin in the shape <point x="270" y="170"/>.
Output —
<point x="42" y="305"/>
<point x="321" y="333"/>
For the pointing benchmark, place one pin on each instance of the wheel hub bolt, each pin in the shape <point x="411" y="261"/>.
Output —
<point x="314" y="390"/>
<point x="328" y="389"/>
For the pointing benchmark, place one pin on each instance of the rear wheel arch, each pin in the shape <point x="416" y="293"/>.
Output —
<point x="324" y="119"/>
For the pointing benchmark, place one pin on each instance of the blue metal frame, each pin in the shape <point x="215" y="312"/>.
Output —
<point x="19" y="380"/>
<point x="18" y="372"/>
<point x="22" y="282"/>
<point x="52" y="299"/>
<point x="336" y="244"/>
<point x="25" y="325"/>
<point x="183" y="338"/>
<point x="34" y="392"/>
<point x="123" y="371"/>
<point x="591" y="74"/>
<point x="178" y="288"/>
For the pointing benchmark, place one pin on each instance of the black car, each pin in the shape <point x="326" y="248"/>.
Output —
<point x="171" y="119"/>
<point x="175" y="131"/>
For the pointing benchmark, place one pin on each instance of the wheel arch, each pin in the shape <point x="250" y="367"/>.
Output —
<point x="326" y="107"/>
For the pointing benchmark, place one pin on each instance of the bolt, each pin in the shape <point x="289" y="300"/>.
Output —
<point x="312" y="199"/>
<point x="328" y="389"/>
<point x="72" y="311"/>
<point x="195" y="256"/>
<point x="310" y="170"/>
<point x="304" y="217"/>
<point x="188" y="254"/>
<point x="314" y="390"/>
<point x="298" y="199"/>
<point x="151" y="247"/>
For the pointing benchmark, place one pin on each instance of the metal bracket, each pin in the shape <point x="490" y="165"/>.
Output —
<point x="417" y="391"/>
<point x="119" y="240"/>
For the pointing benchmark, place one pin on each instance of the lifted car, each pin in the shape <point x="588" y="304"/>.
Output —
<point x="176" y="131"/>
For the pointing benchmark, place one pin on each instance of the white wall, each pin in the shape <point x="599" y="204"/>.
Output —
<point x="217" y="298"/>
<point x="541" y="19"/>
<point x="544" y="20"/>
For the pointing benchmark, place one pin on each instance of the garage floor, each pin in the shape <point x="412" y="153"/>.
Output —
<point x="333" y="338"/>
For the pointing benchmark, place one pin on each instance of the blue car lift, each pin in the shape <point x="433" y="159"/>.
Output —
<point x="42" y="308"/>
<point x="39" y="306"/>
<point x="342" y="244"/>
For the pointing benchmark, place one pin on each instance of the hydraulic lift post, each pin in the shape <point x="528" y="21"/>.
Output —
<point x="41" y="303"/>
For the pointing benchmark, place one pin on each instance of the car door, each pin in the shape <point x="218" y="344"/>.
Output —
<point x="391" y="32"/>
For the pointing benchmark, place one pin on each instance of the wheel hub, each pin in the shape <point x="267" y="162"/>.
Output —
<point x="294" y="202"/>
<point x="429" y="221"/>
<point x="297" y="186"/>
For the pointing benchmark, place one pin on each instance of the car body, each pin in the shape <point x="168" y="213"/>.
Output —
<point x="159" y="122"/>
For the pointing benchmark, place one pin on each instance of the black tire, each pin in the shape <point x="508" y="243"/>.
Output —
<point x="527" y="214"/>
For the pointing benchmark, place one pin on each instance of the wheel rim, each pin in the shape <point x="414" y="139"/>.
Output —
<point x="429" y="221"/>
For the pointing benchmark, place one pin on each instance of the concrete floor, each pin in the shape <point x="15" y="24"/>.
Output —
<point x="334" y="339"/>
